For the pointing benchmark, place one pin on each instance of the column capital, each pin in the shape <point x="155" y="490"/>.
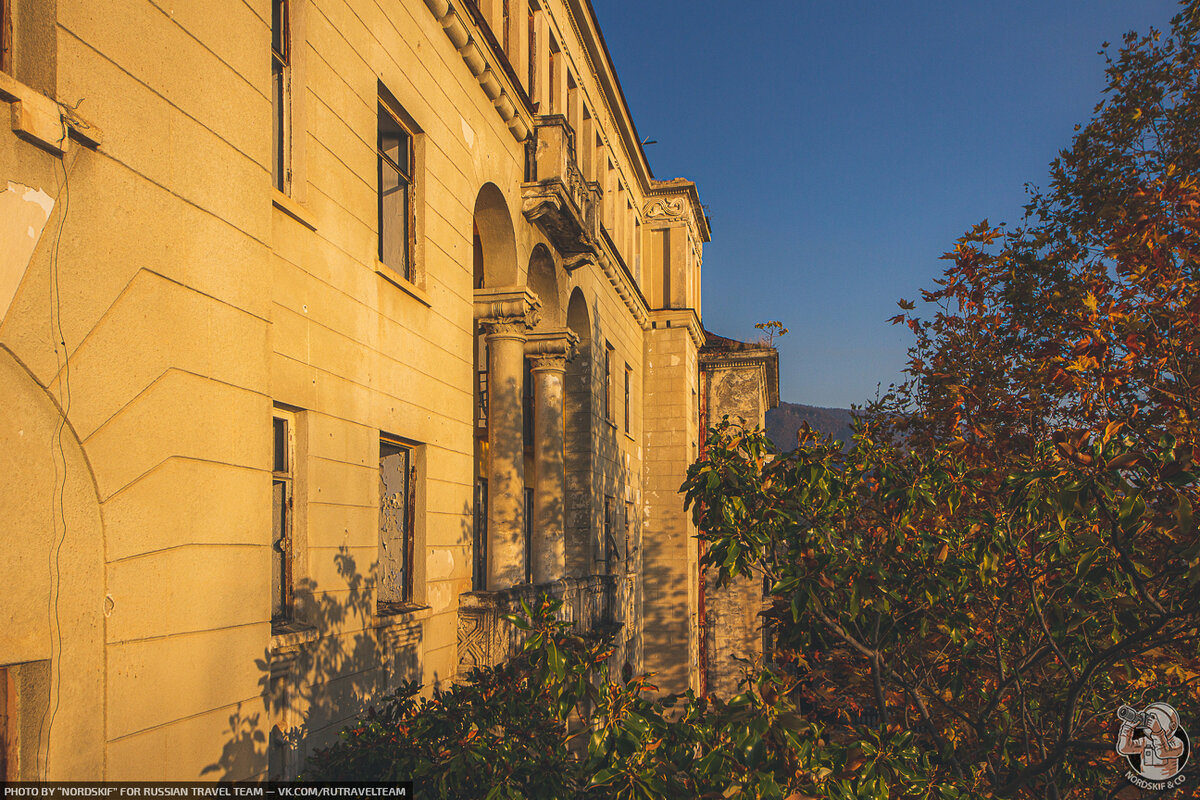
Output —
<point x="551" y="349"/>
<point x="512" y="309"/>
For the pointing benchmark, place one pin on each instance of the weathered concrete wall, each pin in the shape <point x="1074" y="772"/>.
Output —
<point x="740" y="382"/>
<point x="670" y="550"/>
<point x="160" y="296"/>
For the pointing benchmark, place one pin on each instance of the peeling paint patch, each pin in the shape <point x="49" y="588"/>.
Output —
<point x="438" y="597"/>
<point x="24" y="211"/>
<point x="468" y="132"/>
<point x="440" y="565"/>
<point x="36" y="196"/>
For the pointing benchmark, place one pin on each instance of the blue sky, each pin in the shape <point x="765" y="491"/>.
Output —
<point x="841" y="147"/>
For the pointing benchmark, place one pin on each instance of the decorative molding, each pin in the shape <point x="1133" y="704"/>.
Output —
<point x="457" y="25"/>
<point x="576" y="260"/>
<point x="551" y="349"/>
<point x="511" y="310"/>
<point x="486" y="639"/>
<point x="678" y="209"/>
<point x="680" y="318"/>
<point x="668" y="208"/>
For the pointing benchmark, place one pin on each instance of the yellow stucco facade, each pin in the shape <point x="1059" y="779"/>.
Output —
<point x="328" y="329"/>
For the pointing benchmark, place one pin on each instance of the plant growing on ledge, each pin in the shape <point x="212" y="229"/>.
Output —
<point x="1010" y="553"/>
<point x="772" y="330"/>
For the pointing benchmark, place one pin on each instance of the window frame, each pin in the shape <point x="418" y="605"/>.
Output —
<point x="286" y="477"/>
<point x="8" y="723"/>
<point x="6" y="42"/>
<point x="386" y="105"/>
<point x="281" y="59"/>
<point x="628" y="398"/>
<point x="391" y="599"/>
<point x="609" y="393"/>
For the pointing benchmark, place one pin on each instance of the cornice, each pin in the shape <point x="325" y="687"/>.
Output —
<point x="473" y="39"/>
<point x="622" y="281"/>
<point x="665" y="202"/>
<point x="679" y="318"/>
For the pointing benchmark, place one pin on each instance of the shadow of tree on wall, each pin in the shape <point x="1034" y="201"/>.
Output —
<point x="318" y="676"/>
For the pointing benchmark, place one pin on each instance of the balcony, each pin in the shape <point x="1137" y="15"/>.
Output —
<point x="486" y="639"/>
<point x="555" y="195"/>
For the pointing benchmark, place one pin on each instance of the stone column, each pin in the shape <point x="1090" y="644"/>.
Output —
<point x="549" y="351"/>
<point x="506" y="316"/>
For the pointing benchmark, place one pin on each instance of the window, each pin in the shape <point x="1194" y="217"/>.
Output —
<point x="8" y="755"/>
<point x="505" y="24"/>
<point x="5" y="46"/>
<point x="628" y="405"/>
<point x="281" y="90"/>
<point x="395" y="149"/>
<point x="528" y="535"/>
<point x="397" y="485"/>
<point x="531" y="53"/>
<point x="479" y="567"/>
<point x="527" y="405"/>
<point x="630" y="546"/>
<point x="610" y="553"/>
<point x="609" y="410"/>
<point x="24" y="703"/>
<point x="282" y="540"/>
<point x="555" y="104"/>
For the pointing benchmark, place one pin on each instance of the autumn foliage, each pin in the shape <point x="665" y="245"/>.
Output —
<point x="1009" y="553"/>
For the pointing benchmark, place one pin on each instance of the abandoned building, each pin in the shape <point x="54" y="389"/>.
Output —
<point x="309" y="372"/>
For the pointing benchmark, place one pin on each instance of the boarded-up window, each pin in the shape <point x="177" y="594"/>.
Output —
<point x="397" y="479"/>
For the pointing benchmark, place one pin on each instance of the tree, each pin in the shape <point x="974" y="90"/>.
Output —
<point x="553" y="725"/>
<point x="1009" y="551"/>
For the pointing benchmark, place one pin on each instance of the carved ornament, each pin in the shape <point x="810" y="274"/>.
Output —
<point x="513" y="310"/>
<point x="551" y="349"/>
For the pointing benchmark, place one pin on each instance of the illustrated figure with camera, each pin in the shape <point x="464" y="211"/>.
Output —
<point x="1158" y="748"/>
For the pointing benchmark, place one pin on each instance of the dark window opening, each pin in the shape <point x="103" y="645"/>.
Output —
<point x="281" y="516"/>
<point x="479" y="573"/>
<point x="528" y="535"/>
<point x="628" y="384"/>
<point x="395" y="151"/>
<point x="280" y="92"/>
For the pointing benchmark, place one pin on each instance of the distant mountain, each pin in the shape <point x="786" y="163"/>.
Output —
<point x="784" y="421"/>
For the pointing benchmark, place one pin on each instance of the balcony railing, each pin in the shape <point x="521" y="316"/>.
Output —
<point x="486" y="638"/>
<point x="556" y="196"/>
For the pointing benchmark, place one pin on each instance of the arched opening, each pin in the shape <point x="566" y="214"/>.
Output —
<point x="543" y="280"/>
<point x="496" y="251"/>
<point x="577" y="444"/>
<point x="493" y="264"/>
